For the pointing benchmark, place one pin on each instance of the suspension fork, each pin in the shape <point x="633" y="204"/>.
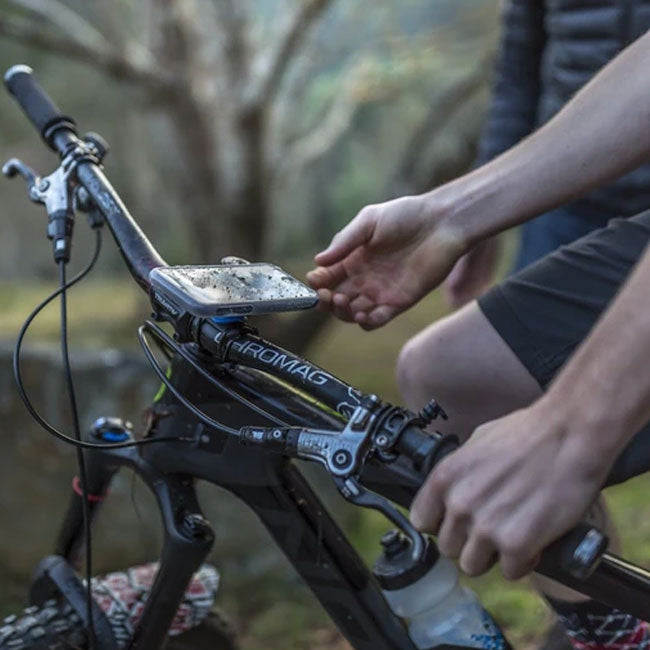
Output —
<point x="188" y="537"/>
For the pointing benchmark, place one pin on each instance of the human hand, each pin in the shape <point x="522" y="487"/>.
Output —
<point x="473" y="273"/>
<point x="519" y="483"/>
<point x="387" y="258"/>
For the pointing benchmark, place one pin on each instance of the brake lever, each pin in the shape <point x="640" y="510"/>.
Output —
<point x="343" y="454"/>
<point x="56" y="191"/>
<point x="355" y="493"/>
<point x="14" y="166"/>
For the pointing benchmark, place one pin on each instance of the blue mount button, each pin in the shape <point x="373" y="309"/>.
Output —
<point x="223" y="320"/>
<point x="114" y="436"/>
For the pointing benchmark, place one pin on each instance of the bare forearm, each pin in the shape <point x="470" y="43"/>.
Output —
<point x="602" y="133"/>
<point x="603" y="393"/>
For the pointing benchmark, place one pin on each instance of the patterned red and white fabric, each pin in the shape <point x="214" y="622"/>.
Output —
<point x="122" y="596"/>
<point x="593" y="626"/>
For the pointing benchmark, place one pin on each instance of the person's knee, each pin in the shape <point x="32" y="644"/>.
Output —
<point x="462" y="363"/>
<point x="406" y="369"/>
<point x="417" y="369"/>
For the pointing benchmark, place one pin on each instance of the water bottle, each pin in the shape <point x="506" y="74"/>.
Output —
<point x="437" y="609"/>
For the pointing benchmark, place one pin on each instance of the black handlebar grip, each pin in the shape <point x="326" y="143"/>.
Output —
<point x="577" y="553"/>
<point x="424" y="450"/>
<point x="42" y="112"/>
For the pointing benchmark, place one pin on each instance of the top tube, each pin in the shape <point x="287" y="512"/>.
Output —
<point x="254" y="352"/>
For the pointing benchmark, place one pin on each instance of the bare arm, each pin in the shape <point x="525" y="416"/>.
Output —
<point x="394" y="253"/>
<point x="498" y="496"/>
<point x="601" y="134"/>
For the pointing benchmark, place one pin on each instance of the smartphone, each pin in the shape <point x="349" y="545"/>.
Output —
<point x="232" y="289"/>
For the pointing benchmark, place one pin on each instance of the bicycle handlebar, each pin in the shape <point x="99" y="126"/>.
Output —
<point x="59" y="132"/>
<point x="138" y="252"/>
<point x="42" y="112"/>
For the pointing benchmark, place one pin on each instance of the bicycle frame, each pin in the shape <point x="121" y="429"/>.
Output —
<point x="273" y="487"/>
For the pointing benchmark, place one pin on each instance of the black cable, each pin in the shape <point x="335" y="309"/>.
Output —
<point x="162" y="337"/>
<point x="23" y="393"/>
<point x="64" y="285"/>
<point x="81" y="461"/>
<point x="206" y="419"/>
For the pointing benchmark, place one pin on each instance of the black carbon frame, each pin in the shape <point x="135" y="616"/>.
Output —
<point x="276" y="491"/>
<point x="271" y="486"/>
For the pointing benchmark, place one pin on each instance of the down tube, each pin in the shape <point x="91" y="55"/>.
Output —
<point x="320" y="552"/>
<point x="304" y="531"/>
<point x="277" y="492"/>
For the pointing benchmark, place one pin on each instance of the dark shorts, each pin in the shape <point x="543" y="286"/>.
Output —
<point x="545" y="311"/>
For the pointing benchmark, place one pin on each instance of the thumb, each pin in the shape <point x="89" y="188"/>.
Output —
<point x="356" y="233"/>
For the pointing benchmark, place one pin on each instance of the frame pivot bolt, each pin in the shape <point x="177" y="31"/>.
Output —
<point x="195" y="526"/>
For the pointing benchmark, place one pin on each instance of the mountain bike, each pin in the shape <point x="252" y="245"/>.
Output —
<point x="236" y="410"/>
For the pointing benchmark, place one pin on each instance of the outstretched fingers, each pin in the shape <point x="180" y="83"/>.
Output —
<point x="327" y="277"/>
<point x="340" y="305"/>
<point x="360" y="309"/>
<point x="376" y="317"/>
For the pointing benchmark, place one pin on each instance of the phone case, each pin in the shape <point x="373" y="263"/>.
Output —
<point x="292" y="295"/>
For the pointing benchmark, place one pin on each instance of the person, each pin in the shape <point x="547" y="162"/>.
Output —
<point x="548" y="51"/>
<point x="546" y="377"/>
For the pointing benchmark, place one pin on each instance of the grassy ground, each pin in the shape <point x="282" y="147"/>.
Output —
<point x="101" y="313"/>
<point x="275" y="611"/>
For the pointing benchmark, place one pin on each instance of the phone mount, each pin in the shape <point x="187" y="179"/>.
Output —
<point x="233" y="289"/>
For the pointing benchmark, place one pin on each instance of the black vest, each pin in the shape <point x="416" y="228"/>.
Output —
<point x="564" y="42"/>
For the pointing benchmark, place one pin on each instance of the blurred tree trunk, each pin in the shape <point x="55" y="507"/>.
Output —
<point x="195" y="63"/>
<point x="417" y="171"/>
